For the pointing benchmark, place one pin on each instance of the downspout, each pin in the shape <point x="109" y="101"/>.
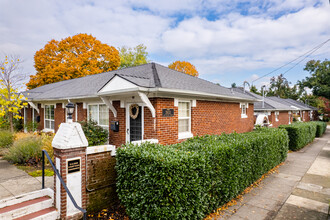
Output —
<point x="263" y="96"/>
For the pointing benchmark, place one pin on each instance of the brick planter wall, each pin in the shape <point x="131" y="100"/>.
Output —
<point x="101" y="180"/>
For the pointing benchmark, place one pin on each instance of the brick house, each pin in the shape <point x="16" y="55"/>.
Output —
<point x="302" y="111"/>
<point x="149" y="102"/>
<point x="277" y="111"/>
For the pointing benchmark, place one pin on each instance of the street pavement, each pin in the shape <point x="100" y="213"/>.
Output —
<point x="14" y="182"/>
<point x="300" y="189"/>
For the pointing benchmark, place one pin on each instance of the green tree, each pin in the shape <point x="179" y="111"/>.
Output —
<point x="254" y="89"/>
<point x="319" y="81"/>
<point x="280" y="86"/>
<point x="133" y="56"/>
<point x="233" y="85"/>
<point x="72" y="57"/>
<point x="10" y="100"/>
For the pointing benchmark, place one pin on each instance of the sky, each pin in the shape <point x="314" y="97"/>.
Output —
<point x="228" y="41"/>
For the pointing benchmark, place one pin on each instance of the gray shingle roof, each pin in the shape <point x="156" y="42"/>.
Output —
<point x="148" y="75"/>
<point x="291" y="102"/>
<point x="270" y="104"/>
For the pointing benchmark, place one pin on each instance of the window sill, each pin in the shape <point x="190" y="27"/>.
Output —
<point x="152" y="141"/>
<point x="48" y="130"/>
<point x="244" y="116"/>
<point x="185" y="135"/>
<point x="276" y="120"/>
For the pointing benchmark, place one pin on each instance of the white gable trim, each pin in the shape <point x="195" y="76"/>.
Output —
<point x="117" y="83"/>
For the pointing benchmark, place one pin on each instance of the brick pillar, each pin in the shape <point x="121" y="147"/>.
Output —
<point x="69" y="146"/>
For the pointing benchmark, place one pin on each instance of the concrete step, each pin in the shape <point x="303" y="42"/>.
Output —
<point x="45" y="214"/>
<point x="34" y="205"/>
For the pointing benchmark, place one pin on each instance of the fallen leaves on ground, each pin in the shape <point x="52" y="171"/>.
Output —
<point x="221" y="211"/>
<point x="113" y="213"/>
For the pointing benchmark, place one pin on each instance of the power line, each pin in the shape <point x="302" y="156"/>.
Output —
<point x="307" y="54"/>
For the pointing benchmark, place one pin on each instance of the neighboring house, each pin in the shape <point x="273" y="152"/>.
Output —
<point x="272" y="112"/>
<point x="148" y="103"/>
<point x="302" y="111"/>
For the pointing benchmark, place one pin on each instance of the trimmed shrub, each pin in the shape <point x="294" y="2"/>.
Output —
<point x="25" y="151"/>
<point x="300" y="134"/>
<point x="6" y="138"/>
<point x="321" y="127"/>
<point x="193" y="178"/>
<point x="95" y="134"/>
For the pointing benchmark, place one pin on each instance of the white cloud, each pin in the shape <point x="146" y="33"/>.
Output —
<point x="270" y="34"/>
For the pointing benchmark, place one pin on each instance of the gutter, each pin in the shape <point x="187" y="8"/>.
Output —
<point x="160" y="90"/>
<point x="177" y="91"/>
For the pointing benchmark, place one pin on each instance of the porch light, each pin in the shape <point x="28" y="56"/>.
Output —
<point x="70" y="108"/>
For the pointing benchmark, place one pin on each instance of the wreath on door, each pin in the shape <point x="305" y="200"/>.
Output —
<point x="136" y="108"/>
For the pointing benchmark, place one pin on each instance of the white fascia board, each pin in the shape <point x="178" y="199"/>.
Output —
<point x="200" y="94"/>
<point x="62" y="99"/>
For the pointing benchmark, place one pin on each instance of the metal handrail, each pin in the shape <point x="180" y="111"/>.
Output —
<point x="61" y="180"/>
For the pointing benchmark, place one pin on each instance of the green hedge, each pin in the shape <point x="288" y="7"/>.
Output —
<point x="193" y="178"/>
<point x="300" y="134"/>
<point x="321" y="127"/>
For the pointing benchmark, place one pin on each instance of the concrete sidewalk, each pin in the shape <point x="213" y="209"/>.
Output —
<point x="300" y="190"/>
<point x="14" y="182"/>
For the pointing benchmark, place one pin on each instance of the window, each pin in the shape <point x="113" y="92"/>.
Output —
<point x="100" y="114"/>
<point x="243" y="106"/>
<point x="49" y="117"/>
<point x="184" y="119"/>
<point x="276" y="116"/>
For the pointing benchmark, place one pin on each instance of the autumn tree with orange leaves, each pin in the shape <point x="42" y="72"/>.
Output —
<point x="185" y="67"/>
<point x="72" y="57"/>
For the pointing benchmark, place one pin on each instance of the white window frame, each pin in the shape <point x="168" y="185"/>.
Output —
<point x="107" y="127"/>
<point x="277" y="113"/>
<point x="186" y="134"/>
<point x="50" y="120"/>
<point x="290" y="115"/>
<point x="244" y="106"/>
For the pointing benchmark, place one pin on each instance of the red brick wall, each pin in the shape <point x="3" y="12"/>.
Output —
<point x="306" y="116"/>
<point x="150" y="128"/>
<point x="283" y="118"/>
<point x="118" y="138"/>
<point x="167" y="127"/>
<point x="59" y="115"/>
<point x="101" y="181"/>
<point x="82" y="113"/>
<point x="218" y="117"/>
<point x="207" y="118"/>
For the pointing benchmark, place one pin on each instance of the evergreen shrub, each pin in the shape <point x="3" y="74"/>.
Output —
<point x="95" y="134"/>
<point x="300" y="134"/>
<point x="321" y="127"/>
<point x="191" y="179"/>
